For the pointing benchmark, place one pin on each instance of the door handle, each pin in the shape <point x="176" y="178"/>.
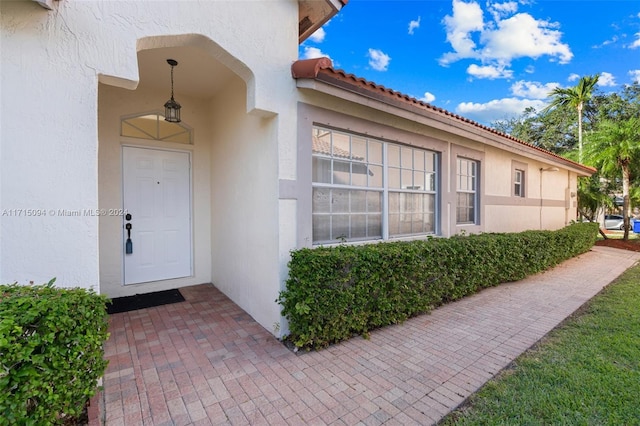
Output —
<point x="128" y="247"/>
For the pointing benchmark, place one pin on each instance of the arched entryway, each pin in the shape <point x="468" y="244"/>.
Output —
<point x="165" y="170"/>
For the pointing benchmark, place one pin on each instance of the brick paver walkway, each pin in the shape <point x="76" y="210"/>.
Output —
<point x="206" y="362"/>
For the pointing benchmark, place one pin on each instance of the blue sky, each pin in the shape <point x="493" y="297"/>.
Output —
<point x="483" y="60"/>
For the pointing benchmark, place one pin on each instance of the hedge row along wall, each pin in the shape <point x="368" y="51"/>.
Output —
<point x="336" y="292"/>
<point x="51" y="352"/>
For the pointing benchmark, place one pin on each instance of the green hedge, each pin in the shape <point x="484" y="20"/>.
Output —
<point x="335" y="292"/>
<point x="51" y="352"/>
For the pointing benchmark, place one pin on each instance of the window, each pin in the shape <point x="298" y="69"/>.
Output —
<point x="155" y="127"/>
<point x="357" y="180"/>
<point x="347" y="192"/>
<point x="467" y="181"/>
<point x="518" y="183"/>
<point x="411" y="177"/>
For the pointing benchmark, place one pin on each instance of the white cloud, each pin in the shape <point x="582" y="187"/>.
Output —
<point x="503" y="9"/>
<point x="635" y="75"/>
<point x="497" y="109"/>
<point x="500" y="40"/>
<point x="378" y="60"/>
<point x="606" y="80"/>
<point x="489" y="71"/>
<point x="523" y="36"/>
<point x="606" y="42"/>
<point x="532" y="89"/>
<point x="318" y="36"/>
<point x="636" y="43"/>
<point x="573" y="77"/>
<point x="530" y="69"/>
<point x="466" y="18"/>
<point x="313" y="52"/>
<point x="428" y="97"/>
<point x="413" y="25"/>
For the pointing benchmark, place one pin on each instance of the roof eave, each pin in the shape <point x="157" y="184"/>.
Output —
<point x="317" y="75"/>
<point x="312" y="14"/>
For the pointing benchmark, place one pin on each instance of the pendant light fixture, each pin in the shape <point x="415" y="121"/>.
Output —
<point x="171" y="107"/>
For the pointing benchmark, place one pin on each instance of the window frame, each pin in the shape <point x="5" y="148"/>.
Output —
<point x="155" y="128"/>
<point x="523" y="168"/>
<point x="518" y="183"/>
<point x="407" y="191"/>
<point x="474" y="205"/>
<point x="429" y="177"/>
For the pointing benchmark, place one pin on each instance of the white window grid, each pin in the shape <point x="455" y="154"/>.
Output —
<point x="519" y="183"/>
<point x="467" y="177"/>
<point x="425" y="184"/>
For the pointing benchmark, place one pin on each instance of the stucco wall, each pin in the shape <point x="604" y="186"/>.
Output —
<point x="500" y="210"/>
<point x="244" y="205"/>
<point x="545" y="204"/>
<point x="49" y="148"/>
<point x="51" y="64"/>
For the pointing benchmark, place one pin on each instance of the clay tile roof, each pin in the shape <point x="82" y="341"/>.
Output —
<point x="309" y="68"/>
<point x="322" y="69"/>
<point x="323" y="146"/>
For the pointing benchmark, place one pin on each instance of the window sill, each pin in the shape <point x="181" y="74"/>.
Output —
<point x="380" y="240"/>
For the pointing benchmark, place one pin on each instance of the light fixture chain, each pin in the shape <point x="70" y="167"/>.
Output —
<point x="171" y="81"/>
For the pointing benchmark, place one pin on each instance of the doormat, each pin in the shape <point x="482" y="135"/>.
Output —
<point x="141" y="301"/>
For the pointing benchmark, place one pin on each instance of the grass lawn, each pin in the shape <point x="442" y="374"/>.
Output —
<point x="586" y="372"/>
<point x="617" y="235"/>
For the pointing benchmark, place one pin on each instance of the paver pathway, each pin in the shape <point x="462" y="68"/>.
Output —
<point x="206" y="362"/>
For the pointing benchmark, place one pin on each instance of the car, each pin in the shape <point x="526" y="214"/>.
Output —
<point x="614" y="221"/>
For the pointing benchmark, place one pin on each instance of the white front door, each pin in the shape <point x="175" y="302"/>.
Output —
<point x="157" y="196"/>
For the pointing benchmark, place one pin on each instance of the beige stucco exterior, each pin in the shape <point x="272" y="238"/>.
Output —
<point x="499" y="210"/>
<point x="71" y="74"/>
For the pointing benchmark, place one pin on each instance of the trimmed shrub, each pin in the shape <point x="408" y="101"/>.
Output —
<point x="51" y="352"/>
<point x="336" y="292"/>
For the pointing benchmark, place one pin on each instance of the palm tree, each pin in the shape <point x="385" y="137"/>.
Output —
<point x="575" y="97"/>
<point x="614" y="148"/>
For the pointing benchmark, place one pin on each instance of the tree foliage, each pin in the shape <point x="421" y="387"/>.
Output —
<point x="614" y="148"/>
<point x="617" y="106"/>
<point x="576" y="97"/>
<point x="592" y="198"/>
<point x="555" y="130"/>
